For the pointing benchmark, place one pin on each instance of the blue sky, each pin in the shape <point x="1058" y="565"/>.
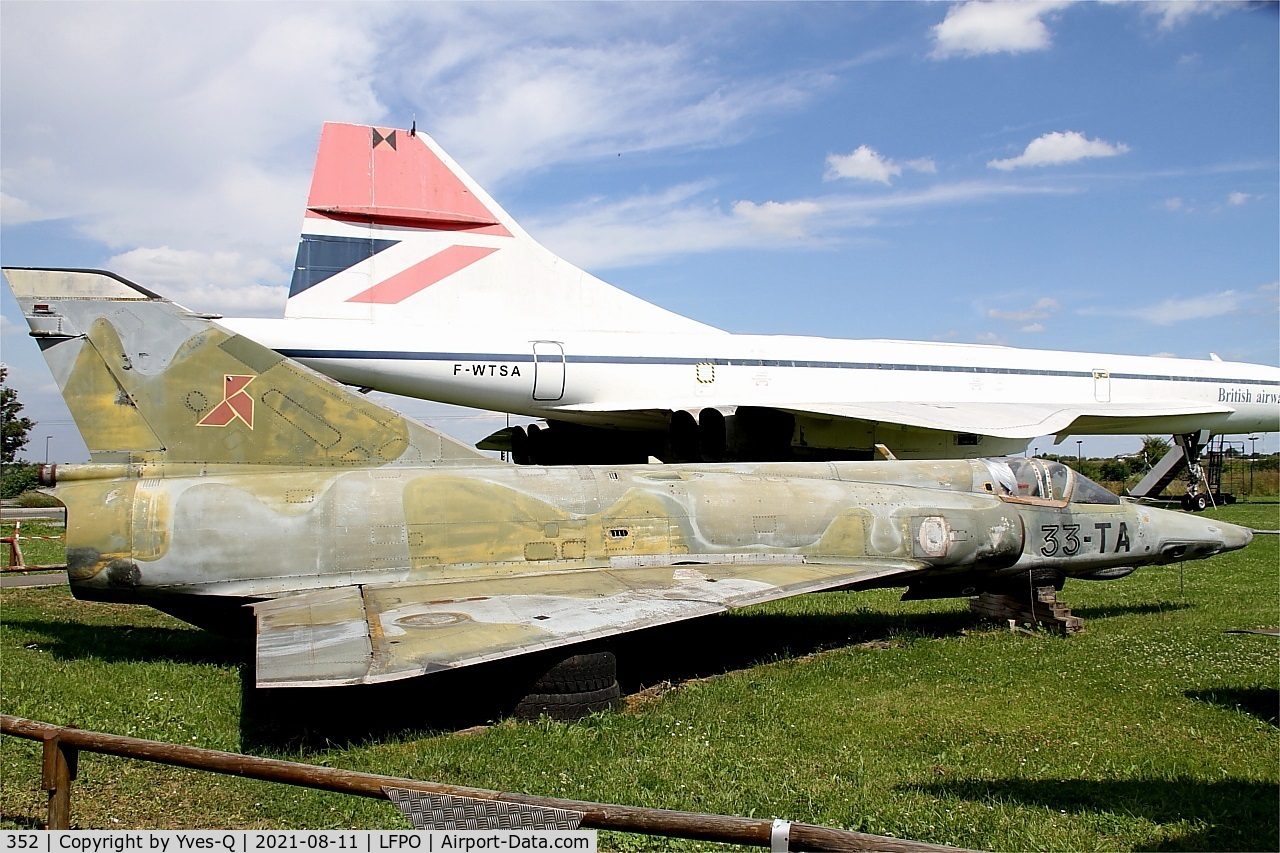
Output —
<point x="1084" y="176"/>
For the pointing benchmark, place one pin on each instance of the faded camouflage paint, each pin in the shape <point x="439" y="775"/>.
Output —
<point x="414" y="525"/>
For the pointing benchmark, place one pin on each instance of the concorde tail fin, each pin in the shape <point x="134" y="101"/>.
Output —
<point x="395" y="231"/>
<point x="148" y="380"/>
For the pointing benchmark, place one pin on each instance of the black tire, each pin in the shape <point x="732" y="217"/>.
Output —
<point x="583" y="673"/>
<point x="1045" y="576"/>
<point x="1186" y="500"/>
<point x="1201" y="503"/>
<point x="568" y="706"/>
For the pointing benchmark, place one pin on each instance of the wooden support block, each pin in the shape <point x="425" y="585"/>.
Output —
<point x="1043" y="608"/>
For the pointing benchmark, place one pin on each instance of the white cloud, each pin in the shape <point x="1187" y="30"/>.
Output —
<point x="568" y="84"/>
<point x="1172" y="311"/>
<point x="642" y="229"/>
<point x="1180" y="310"/>
<point x="1268" y="299"/>
<point x="1262" y="301"/>
<point x="980" y="27"/>
<point x="864" y="163"/>
<point x="777" y="219"/>
<point x="223" y="282"/>
<point x="199" y="138"/>
<point x="596" y="234"/>
<point x="1174" y="13"/>
<point x="16" y="211"/>
<point x="1056" y="148"/>
<point x="1042" y="309"/>
<point x="1032" y="328"/>
<point x="1233" y="199"/>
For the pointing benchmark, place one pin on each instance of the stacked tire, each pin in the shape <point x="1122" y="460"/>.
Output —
<point x="576" y="686"/>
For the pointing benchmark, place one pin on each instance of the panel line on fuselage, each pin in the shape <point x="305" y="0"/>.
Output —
<point x="527" y="358"/>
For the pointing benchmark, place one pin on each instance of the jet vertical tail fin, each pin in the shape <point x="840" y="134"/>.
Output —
<point x="149" y="381"/>
<point x="396" y="231"/>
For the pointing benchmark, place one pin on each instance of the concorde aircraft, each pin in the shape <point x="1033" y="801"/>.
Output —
<point x="411" y="279"/>
<point x="372" y="548"/>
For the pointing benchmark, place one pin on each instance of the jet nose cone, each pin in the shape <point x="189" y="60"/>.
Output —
<point x="1234" y="536"/>
<point x="1188" y="537"/>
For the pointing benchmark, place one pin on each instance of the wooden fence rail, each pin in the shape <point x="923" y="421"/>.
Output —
<point x="62" y="746"/>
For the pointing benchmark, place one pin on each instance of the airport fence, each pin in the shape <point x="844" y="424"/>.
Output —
<point x="62" y="745"/>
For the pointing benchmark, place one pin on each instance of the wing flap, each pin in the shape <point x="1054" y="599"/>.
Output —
<point x="386" y="632"/>
<point x="318" y="638"/>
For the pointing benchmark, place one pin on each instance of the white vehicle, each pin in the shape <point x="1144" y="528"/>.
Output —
<point x="411" y="279"/>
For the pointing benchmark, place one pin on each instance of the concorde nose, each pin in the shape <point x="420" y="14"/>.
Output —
<point x="1182" y="536"/>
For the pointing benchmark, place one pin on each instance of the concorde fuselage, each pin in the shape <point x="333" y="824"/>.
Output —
<point x="411" y="279"/>
<point x="596" y="378"/>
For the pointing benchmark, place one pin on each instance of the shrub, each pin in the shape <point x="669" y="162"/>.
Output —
<point x="1114" y="470"/>
<point x="18" y="478"/>
<point x="37" y="499"/>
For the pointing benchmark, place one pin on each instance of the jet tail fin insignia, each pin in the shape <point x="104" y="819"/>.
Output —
<point x="236" y="404"/>
<point x="146" y="379"/>
<point x="395" y="231"/>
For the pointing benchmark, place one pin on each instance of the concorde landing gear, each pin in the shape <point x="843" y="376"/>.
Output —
<point x="1204" y="481"/>
<point x="1195" y="499"/>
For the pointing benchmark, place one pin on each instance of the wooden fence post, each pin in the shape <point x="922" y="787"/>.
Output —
<point x="15" y="549"/>
<point x="57" y="771"/>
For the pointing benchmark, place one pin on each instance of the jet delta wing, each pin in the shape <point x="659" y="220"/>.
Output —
<point x="371" y="548"/>
<point x="411" y="279"/>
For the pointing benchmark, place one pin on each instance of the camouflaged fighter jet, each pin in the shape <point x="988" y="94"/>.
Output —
<point x="373" y="548"/>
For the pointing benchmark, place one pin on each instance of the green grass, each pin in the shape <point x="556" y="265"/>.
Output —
<point x="1153" y="729"/>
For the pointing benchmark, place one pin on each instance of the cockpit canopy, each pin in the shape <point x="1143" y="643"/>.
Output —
<point x="1039" y="480"/>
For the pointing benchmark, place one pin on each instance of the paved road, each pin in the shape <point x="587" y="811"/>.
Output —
<point x="57" y="513"/>
<point x="17" y="580"/>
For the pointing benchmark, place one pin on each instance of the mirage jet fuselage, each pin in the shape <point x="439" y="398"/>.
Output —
<point x="373" y="548"/>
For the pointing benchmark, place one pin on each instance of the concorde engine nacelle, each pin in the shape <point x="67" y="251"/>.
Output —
<point x="744" y="434"/>
<point x="747" y="433"/>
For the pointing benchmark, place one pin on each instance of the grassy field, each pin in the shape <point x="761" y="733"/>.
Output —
<point x="1152" y="730"/>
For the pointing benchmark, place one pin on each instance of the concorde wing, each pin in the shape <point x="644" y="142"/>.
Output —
<point x="1002" y="420"/>
<point x="999" y="419"/>
<point x="373" y="633"/>
<point x="1010" y="420"/>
